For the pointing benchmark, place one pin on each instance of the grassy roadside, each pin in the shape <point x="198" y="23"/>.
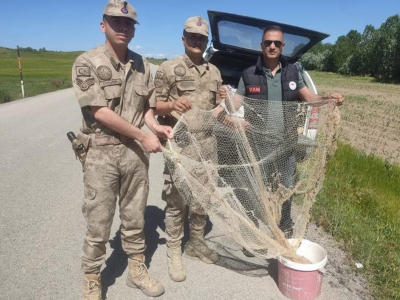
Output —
<point x="359" y="205"/>
<point x="360" y="199"/>
<point x="42" y="72"/>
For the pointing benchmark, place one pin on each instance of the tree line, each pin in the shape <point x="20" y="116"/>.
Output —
<point x="375" y="53"/>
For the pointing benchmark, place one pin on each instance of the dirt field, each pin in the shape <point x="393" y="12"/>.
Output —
<point x="370" y="122"/>
<point x="370" y="117"/>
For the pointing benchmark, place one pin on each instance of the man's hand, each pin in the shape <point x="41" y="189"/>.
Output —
<point x="164" y="132"/>
<point x="151" y="143"/>
<point x="229" y="121"/>
<point x="223" y="91"/>
<point x="337" y="97"/>
<point x="182" y="105"/>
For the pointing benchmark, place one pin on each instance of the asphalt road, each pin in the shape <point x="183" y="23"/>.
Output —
<point x="42" y="227"/>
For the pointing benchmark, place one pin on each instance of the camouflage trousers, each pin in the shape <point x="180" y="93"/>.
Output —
<point x="114" y="174"/>
<point x="176" y="210"/>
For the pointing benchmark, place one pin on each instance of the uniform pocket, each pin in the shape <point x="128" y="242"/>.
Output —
<point x="90" y="193"/>
<point x="112" y="92"/>
<point x="185" y="87"/>
<point x="141" y="95"/>
<point x="141" y="90"/>
<point x="90" y="208"/>
<point x="113" y="95"/>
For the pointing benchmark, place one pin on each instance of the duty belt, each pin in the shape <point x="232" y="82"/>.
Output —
<point x="101" y="140"/>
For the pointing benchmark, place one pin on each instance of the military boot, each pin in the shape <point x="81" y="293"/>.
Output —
<point x="197" y="247"/>
<point x="92" y="287"/>
<point x="139" y="277"/>
<point x="176" y="270"/>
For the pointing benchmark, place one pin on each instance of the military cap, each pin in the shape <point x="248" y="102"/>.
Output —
<point x="118" y="8"/>
<point x="196" y="25"/>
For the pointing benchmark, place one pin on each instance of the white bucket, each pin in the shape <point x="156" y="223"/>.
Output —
<point x="299" y="281"/>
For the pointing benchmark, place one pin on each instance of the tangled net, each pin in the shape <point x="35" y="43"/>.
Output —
<point x="255" y="170"/>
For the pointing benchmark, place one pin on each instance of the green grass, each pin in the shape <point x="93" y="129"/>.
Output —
<point x="355" y="82"/>
<point x="42" y="72"/>
<point x="359" y="205"/>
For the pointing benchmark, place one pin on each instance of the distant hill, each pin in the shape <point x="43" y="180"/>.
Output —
<point x="42" y="52"/>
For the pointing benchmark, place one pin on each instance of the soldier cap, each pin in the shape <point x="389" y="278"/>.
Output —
<point x="118" y="8"/>
<point x="196" y="25"/>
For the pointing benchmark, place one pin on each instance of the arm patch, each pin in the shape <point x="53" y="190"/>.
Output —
<point x="82" y="71"/>
<point x="84" y="85"/>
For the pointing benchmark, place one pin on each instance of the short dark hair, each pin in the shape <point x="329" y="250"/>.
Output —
<point x="271" y="28"/>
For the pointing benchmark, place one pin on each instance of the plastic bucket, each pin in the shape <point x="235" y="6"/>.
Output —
<point x="299" y="281"/>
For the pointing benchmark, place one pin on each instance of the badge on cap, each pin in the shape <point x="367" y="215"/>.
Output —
<point x="124" y="10"/>
<point x="292" y="85"/>
<point x="199" y="23"/>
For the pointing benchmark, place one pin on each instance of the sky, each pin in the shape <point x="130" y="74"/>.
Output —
<point x="73" y="25"/>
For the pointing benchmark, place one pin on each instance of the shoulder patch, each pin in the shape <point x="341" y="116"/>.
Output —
<point x="180" y="70"/>
<point x="104" y="73"/>
<point x="82" y="71"/>
<point x="158" y="83"/>
<point x="159" y="75"/>
<point x="84" y="84"/>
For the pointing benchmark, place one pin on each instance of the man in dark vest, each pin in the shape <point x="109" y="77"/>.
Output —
<point x="275" y="80"/>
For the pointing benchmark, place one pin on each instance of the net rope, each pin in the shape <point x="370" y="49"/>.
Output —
<point x="255" y="167"/>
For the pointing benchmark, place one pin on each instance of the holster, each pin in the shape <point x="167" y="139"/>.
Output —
<point x="80" y="145"/>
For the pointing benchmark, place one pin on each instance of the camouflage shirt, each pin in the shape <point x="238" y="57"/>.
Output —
<point x="181" y="78"/>
<point x="99" y="79"/>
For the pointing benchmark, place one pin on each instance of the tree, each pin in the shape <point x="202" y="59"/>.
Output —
<point x="385" y="50"/>
<point x="369" y="61"/>
<point x="345" y="46"/>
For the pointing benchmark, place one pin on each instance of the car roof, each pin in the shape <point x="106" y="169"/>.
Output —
<point x="242" y="35"/>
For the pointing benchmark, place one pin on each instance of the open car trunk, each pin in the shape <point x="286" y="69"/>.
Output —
<point x="236" y="42"/>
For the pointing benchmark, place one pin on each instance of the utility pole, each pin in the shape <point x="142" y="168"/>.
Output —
<point x="20" y="73"/>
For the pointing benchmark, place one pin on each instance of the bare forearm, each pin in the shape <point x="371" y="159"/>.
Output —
<point x="306" y="95"/>
<point x="150" y="120"/>
<point x="164" y="108"/>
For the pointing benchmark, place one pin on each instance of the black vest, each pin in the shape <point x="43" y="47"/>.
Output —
<point x="256" y="86"/>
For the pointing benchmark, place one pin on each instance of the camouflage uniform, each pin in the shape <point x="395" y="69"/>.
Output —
<point x="174" y="79"/>
<point x="116" y="167"/>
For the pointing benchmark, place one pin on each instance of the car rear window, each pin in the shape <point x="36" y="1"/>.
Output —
<point x="249" y="38"/>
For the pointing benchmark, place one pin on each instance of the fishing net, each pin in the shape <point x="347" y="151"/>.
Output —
<point x="255" y="168"/>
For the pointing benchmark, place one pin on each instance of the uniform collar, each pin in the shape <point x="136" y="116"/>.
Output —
<point x="114" y="61"/>
<point x="190" y="64"/>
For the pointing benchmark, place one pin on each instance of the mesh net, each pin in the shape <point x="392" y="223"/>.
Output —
<point x="255" y="169"/>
